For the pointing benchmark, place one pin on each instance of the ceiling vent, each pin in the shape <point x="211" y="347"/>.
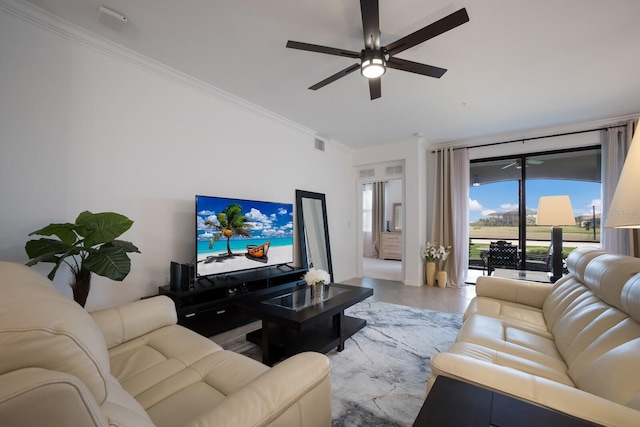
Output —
<point x="319" y="144"/>
<point x="366" y="173"/>
<point x="394" y="170"/>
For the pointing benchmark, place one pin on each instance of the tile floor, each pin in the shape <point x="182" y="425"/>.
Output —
<point x="384" y="276"/>
<point x="449" y="300"/>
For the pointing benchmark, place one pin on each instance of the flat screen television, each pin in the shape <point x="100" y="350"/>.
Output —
<point x="236" y="234"/>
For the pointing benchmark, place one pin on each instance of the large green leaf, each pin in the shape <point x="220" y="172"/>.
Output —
<point x="109" y="261"/>
<point x="65" y="232"/>
<point x="47" y="250"/>
<point x="127" y="246"/>
<point x="102" y="227"/>
<point x="43" y="247"/>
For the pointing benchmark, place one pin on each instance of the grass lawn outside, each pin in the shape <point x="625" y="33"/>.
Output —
<point x="542" y="234"/>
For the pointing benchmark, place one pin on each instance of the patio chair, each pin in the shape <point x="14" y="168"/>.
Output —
<point x="539" y="262"/>
<point x="502" y="254"/>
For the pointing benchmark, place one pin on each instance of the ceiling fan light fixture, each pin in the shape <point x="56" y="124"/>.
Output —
<point x="373" y="65"/>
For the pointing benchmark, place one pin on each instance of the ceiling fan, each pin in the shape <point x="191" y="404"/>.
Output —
<point x="375" y="59"/>
<point x="528" y="162"/>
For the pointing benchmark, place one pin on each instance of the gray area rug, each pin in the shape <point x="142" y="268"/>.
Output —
<point x="380" y="378"/>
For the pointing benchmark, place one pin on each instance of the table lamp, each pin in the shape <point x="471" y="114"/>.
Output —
<point x="624" y="211"/>
<point x="555" y="211"/>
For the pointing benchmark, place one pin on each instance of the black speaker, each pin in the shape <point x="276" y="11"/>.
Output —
<point x="180" y="276"/>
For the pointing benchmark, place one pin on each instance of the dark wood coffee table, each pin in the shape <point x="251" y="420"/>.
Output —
<point x="292" y="323"/>
<point x="456" y="403"/>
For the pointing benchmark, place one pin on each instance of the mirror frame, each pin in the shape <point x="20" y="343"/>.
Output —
<point x="300" y="195"/>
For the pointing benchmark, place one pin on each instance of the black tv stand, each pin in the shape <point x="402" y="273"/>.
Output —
<point x="209" y="307"/>
<point x="205" y="279"/>
<point x="281" y="266"/>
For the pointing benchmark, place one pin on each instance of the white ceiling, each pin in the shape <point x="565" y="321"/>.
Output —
<point x="517" y="65"/>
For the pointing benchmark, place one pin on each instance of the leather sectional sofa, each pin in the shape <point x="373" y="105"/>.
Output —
<point x="572" y="346"/>
<point x="133" y="366"/>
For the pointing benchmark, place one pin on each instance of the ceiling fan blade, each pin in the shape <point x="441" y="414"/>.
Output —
<point x="335" y="77"/>
<point x="509" y="165"/>
<point x="443" y="25"/>
<point x="415" y="67"/>
<point x="375" y="88"/>
<point x="322" y="49"/>
<point x="370" y="23"/>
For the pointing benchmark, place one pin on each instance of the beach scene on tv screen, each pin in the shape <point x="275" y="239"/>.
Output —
<point x="237" y="234"/>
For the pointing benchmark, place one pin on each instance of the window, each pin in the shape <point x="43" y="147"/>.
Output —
<point x="367" y="207"/>
<point x="504" y="194"/>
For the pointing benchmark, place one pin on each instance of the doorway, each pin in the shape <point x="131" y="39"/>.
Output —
<point x="382" y="219"/>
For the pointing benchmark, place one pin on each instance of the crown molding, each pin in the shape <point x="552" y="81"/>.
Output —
<point x="63" y="28"/>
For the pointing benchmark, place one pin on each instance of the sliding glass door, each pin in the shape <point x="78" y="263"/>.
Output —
<point x="504" y="195"/>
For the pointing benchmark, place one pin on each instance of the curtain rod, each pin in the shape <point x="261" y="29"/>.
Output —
<point x="523" y="140"/>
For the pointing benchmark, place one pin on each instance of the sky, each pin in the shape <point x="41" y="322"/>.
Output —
<point x="267" y="219"/>
<point x="503" y="196"/>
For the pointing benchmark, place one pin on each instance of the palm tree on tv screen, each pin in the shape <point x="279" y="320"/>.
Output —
<point x="230" y="222"/>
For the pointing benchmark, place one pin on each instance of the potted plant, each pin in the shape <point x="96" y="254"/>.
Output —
<point x="87" y="246"/>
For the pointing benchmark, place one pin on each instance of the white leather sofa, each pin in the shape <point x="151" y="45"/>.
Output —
<point x="133" y="366"/>
<point x="572" y="346"/>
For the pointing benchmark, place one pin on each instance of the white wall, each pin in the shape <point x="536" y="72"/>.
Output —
<point x="85" y="125"/>
<point x="412" y="154"/>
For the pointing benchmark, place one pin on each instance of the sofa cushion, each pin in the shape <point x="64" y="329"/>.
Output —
<point x="142" y="363"/>
<point x="521" y="301"/>
<point x="172" y="363"/>
<point x="511" y="344"/>
<point x="555" y="371"/>
<point x="126" y="322"/>
<point x="607" y="274"/>
<point x="630" y="298"/>
<point x="197" y="389"/>
<point x="507" y="310"/>
<point x="613" y="374"/>
<point x="40" y="327"/>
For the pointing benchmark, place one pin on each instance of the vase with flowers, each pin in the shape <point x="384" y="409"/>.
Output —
<point x="435" y="255"/>
<point x="316" y="279"/>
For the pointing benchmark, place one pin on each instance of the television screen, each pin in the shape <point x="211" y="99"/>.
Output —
<point x="236" y="234"/>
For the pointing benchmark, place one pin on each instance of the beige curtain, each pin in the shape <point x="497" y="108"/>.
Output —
<point x="451" y="210"/>
<point x="377" y="215"/>
<point x="615" y="146"/>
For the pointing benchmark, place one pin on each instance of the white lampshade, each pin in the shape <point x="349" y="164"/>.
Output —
<point x="555" y="211"/>
<point x="624" y="211"/>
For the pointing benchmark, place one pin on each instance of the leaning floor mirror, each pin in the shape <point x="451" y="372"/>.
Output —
<point x="313" y="231"/>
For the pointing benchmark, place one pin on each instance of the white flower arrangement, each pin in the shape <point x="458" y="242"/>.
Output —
<point x="433" y="252"/>
<point x="313" y="277"/>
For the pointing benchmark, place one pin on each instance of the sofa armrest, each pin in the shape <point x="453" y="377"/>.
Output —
<point x="297" y="391"/>
<point x="126" y="322"/>
<point x="519" y="291"/>
<point x="541" y="391"/>
<point x="39" y="397"/>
